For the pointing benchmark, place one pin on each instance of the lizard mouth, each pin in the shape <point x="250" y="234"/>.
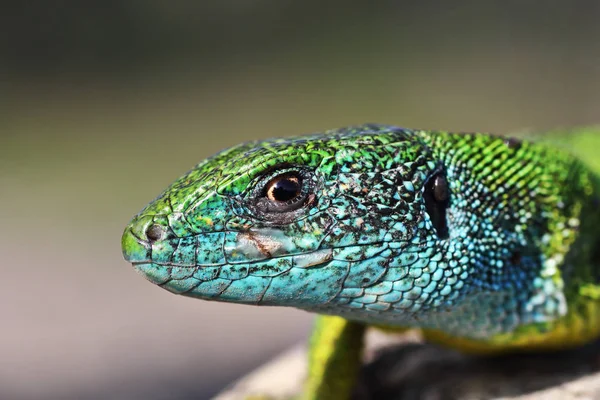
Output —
<point x="264" y="283"/>
<point x="248" y="267"/>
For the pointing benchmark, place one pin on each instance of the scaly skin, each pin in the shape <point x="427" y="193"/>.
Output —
<point x="487" y="244"/>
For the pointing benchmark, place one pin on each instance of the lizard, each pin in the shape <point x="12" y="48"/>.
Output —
<point x="486" y="244"/>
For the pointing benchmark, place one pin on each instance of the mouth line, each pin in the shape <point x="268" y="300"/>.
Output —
<point x="170" y="264"/>
<point x="140" y="262"/>
<point x="167" y="264"/>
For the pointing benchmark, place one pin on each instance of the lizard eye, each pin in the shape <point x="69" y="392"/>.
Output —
<point x="284" y="188"/>
<point x="284" y="192"/>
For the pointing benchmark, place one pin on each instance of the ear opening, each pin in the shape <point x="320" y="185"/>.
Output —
<point x="437" y="200"/>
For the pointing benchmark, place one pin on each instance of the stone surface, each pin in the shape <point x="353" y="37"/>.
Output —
<point x="404" y="368"/>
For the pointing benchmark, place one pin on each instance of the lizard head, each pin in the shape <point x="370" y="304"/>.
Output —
<point x="462" y="232"/>
<point x="302" y="222"/>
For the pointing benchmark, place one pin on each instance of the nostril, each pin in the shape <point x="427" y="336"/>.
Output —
<point x="154" y="232"/>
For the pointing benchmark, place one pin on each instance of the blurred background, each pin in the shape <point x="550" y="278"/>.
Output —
<point x="104" y="103"/>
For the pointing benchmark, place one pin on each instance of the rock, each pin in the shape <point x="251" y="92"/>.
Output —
<point x="405" y="368"/>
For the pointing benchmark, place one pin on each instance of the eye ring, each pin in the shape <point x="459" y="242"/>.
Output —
<point x="284" y="191"/>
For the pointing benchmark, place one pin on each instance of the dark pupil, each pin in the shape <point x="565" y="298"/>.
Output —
<point x="284" y="189"/>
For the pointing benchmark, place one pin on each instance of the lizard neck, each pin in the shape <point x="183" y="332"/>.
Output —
<point x="524" y="218"/>
<point x="517" y="246"/>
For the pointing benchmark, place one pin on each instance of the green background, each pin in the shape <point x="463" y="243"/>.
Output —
<point x="104" y="103"/>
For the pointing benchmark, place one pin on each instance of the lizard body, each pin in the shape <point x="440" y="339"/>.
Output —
<point x="486" y="243"/>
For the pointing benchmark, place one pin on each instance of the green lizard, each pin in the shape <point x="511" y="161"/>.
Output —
<point x="486" y="244"/>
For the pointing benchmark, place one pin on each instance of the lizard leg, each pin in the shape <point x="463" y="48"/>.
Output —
<point x="335" y="356"/>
